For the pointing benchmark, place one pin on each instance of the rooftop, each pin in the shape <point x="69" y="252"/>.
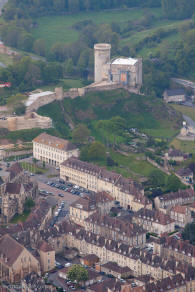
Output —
<point x="10" y="249"/>
<point x="54" y="142"/>
<point x="124" y="61"/>
<point x="33" y="97"/>
<point x="173" y="92"/>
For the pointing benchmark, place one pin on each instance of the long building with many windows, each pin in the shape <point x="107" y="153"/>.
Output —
<point x="99" y="179"/>
<point x="53" y="150"/>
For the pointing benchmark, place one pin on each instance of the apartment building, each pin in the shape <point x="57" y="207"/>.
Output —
<point x="181" y="215"/>
<point x="154" y="221"/>
<point x="98" y="179"/>
<point x="179" y="249"/>
<point x="169" y="200"/>
<point x="15" y="261"/>
<point x="53" y="150"/>
<point x="186" y="175"/>
<point x="47" y="257"/>
<point x="116" y="229"/>
<point x="82" y="208"/>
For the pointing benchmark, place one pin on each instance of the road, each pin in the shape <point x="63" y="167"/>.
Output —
<point x="185" y="83"/>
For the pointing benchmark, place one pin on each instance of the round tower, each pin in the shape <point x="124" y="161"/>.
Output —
<point x="102" y="57"/>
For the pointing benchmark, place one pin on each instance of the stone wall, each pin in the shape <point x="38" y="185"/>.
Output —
<point x="29" y="121"/>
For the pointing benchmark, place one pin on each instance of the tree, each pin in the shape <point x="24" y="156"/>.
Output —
<point x="173" y="183"/>
<point x="157" y="178"/>
<point x="80" y="134"/>
<point x="189" y="232"/>
<point x="20" y="109"/>
<point x="97" y="151"/>
<point x="39" y="47"/>
<point x="77" y="273"/>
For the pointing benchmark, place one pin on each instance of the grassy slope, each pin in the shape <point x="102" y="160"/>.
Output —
<point x="185" y="110"/>
<point x="59" y="28"/>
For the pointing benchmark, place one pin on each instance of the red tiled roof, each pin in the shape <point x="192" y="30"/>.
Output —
<point x="10" y="249"/>
<point x="45" y="247"/>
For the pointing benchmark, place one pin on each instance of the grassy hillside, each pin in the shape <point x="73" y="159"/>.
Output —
<point x="185" y="110"/>
<point x="60" y="28"/>
<point x="149" y="114"/>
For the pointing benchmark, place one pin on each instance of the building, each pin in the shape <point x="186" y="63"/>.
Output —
<point x="82" y="208"/>
<point x="15" y="189"/>
<point x="16" y="262"/>
<point x="112" y="268"/>
<point x="89" y="260"/>
<point x="123" y="71"/>
<point x="181" y="250"/>
<point x="14" y="198"/>
<point x="169" y="200"/>
<point x="174" y="95"/>
<point x="181" y="215"/>
<point x="93" y="276"/>
<point x="176" y="155"/>
<point x="47" y="257"/>
<point x="186" y="175"/>
<point x="154" y="221"/>
<point x="53" y="150"/>
<point x="34" y="282"/>
<point x="116" y="229"/>
<point x="98" y="179"/>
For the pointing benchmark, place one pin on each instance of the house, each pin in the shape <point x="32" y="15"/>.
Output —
<point x="176" y="155"/>
<point x="53" y="150"/>
<point x="112" y="268"/>
<point x="181" y="197"/>
<point x="47" y="257"/>
<point x="15" y="261"/>
<point x="174" y="95"/>
<point x="181" y="215"/>
<point x="89" y="260"/>
<point x="186" y="175"/>
<point x="154" y="221"/>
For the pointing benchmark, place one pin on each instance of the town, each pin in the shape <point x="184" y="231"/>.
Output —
<point x="97" y="146"/>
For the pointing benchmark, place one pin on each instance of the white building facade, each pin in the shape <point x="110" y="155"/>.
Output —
<point x="53" y="150"/>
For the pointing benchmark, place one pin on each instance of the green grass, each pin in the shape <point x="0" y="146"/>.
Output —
<point x="134" y="165"/>
<point x="185" y="110"/>
<point x="5" y="59"/>
<point x="146" y="113"/>
<point x="33" y="168"/>
<point x="59" y="28"/>
<point x="186" y="146"/>
<point x="20" y="218"/>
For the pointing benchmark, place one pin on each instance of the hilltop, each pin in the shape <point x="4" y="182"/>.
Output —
<point x="146" y="113"/>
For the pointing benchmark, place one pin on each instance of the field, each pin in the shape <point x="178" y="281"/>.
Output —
<point x="60" y="28"/>
<point x="186" y="146"/>
<point x="185" y="110"/>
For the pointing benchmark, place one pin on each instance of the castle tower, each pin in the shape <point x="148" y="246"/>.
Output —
<point x="102" y="57"/>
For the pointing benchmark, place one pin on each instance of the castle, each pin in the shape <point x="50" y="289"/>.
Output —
<point x="126" y="72"/>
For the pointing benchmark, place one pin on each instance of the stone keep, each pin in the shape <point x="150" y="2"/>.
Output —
<point x="123" y="71"/>
<point x="102" y="60"/>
